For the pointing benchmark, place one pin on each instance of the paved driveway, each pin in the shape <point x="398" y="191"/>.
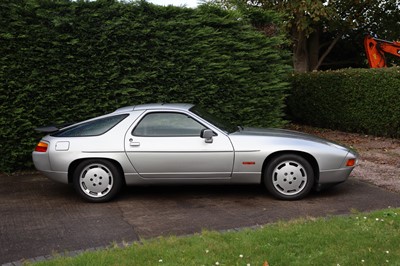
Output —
<point x="40" y="217"/>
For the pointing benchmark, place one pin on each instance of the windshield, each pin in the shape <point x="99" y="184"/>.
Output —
<point x="223" y="125"/>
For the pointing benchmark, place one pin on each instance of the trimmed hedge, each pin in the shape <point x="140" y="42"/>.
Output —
<point x="355" y="100"/>
<point x="63" y="61"/>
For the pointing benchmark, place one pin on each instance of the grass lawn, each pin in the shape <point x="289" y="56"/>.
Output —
<point x="358" y="239"/>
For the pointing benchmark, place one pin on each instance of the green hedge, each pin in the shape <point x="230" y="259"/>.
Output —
<point x="356" y="100"/>
<point x="64" y="61"/>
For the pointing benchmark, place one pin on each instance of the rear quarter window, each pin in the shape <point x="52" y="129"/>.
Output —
<point x="92" y="128"/>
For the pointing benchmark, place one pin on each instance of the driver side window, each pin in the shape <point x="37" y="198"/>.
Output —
<point x="168" y="125"/>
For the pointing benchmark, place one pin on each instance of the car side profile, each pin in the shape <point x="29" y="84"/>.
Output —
<point x="184" y="144"/>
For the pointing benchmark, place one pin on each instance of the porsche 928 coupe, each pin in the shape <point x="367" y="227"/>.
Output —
<point x="184" y="144"/>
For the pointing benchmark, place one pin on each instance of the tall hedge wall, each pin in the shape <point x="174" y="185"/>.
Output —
<point x="64" y="61"/>
<point x="356" y="100"/>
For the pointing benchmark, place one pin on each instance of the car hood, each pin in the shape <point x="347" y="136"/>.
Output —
<point x="283" y="133"/>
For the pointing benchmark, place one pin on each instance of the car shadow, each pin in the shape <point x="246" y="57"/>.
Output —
<point x="216" y="191"/>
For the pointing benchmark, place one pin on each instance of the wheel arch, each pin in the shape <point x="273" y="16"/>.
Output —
<point x="311" y="159"/>
<point x="74" y="164"/>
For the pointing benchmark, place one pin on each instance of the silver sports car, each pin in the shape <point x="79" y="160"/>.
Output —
<point x="183" y="144"/>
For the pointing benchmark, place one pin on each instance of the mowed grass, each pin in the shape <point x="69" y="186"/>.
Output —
<point x="358" y="239"/>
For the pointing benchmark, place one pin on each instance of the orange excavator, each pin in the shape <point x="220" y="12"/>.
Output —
<point x="376" y="48"/>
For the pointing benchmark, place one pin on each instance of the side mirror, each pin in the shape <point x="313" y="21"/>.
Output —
<point x="207" y="134"/>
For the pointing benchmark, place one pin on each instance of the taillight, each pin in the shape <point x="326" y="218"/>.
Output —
<point x="351" y="162"/>
<point x="41" y="147"/>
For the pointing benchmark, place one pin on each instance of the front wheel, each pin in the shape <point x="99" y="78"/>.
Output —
<point x="97" y="180"/>
<point x="289" y="177"/>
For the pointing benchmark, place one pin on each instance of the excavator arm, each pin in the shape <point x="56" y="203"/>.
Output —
<point x="376" y="49"/>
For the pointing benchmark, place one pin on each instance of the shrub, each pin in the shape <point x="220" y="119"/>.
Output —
<point x="357" y="100"/>
<point x="65" y="61"/>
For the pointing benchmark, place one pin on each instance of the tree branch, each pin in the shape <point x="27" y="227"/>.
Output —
<point x="327" y="51"/>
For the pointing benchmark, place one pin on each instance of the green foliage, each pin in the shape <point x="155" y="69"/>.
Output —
<point x="329" y="34"/>
<point x="356" y="100"/>
<point x="65" y="61"/>
<point x="385" y="21"/>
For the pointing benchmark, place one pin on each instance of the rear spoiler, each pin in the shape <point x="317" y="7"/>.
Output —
<point x="48" y="129"/>
<point x="52" y="129"/>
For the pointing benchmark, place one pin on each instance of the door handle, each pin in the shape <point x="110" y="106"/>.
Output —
<point x="134" y="143"/>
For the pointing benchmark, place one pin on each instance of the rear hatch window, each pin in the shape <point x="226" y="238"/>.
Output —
<point x="91" y="128"/>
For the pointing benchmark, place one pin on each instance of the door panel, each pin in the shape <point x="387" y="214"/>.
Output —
<point x="172" y="156"/>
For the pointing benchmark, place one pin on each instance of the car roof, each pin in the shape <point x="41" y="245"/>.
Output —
<point x="153" y="106"/>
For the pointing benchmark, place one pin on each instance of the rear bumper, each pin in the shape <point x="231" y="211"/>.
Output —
<point x="42" y="164"/>
<point x="60" y="177"/>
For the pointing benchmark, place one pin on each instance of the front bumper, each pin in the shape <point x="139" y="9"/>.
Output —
<point x="334" y="176"/>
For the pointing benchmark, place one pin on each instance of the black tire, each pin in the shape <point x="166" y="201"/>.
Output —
<point x="97" y="180"/>
<point x="289" y="177"/>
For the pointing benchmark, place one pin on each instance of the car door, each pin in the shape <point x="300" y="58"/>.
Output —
<point x="168" y="145"/>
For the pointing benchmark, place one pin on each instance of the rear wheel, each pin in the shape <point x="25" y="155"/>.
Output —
<point x="97" y="180"/>
<point x="289" y="177"/>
